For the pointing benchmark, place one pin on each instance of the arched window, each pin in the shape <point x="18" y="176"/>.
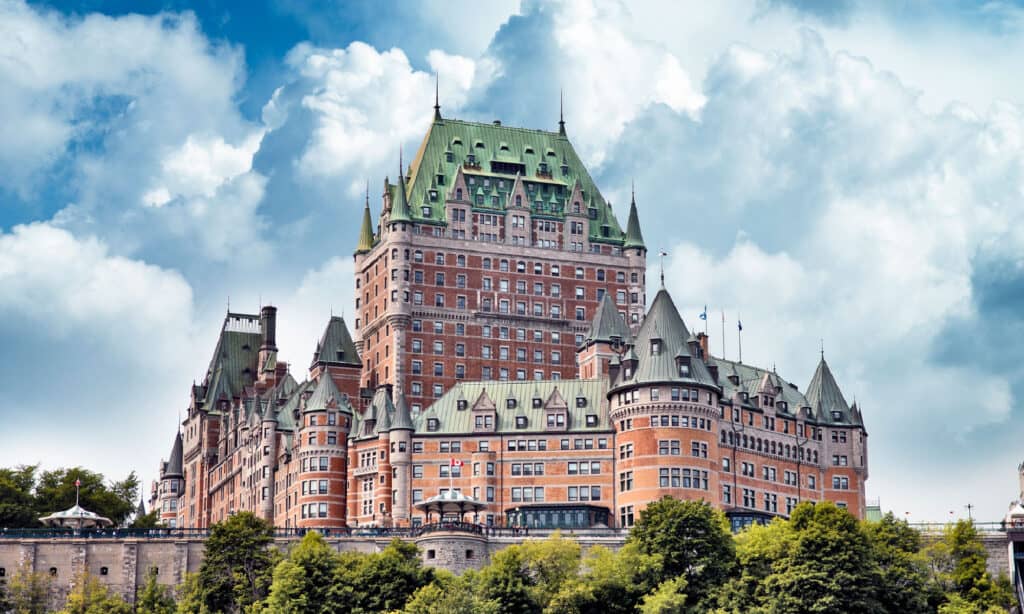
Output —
<point x="458" y="193"/>
<point x="519" y="200"/>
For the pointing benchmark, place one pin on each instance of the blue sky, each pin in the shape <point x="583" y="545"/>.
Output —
<point x="852" y="174"/>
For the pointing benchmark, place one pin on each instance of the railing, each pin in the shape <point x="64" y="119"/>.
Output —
<point x="459" y="526"/>
<point x="982" y="527"/>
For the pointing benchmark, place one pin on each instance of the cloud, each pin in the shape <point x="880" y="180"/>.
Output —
<point x="815" y="195"/>
<point x="592" y="52"/>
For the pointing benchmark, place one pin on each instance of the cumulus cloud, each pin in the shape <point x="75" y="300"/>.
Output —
<point x="816" y="196"/>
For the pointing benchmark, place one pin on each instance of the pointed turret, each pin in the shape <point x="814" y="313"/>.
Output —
<point x="141" y="510"/>
<point x="403" y="417"/>
<point x="366" y="230"/>
<point x="824" y="395"/>
<point x="336" y="346"/>
<point x="325" y="396"/>
<point x="608" y="325"/>
<point x="174" y="469"/>
<point x="400" y="208"/>
<point x="634" y="238"/>
<point x="561" y="114"/>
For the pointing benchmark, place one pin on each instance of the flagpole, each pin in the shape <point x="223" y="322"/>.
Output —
<point x="739" y="335"/>
<point x="723" y="334"/>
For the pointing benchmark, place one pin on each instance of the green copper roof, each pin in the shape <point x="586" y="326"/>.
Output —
<point x="402" y="418"/>
<point x="327" y="396"/>
<point x="824" y="395"/>
<point x="658" y="362"/>
<point x="336" y="346"/>
<point x="234" y="362"/>
<point x="607" y="323"/>
<point x="400" y="203"/>
<point x="634" y="238"/>
<point x="452" y="420"/>
<point x="365" y="230"/>
<point x="490" y="156"/>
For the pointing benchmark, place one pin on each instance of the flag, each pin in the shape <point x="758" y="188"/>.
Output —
<point x="739" y="325"/>
<point x="664" y="253"/>
<point x="454" y="462"/>
<point x="704" y="314"/>
<point x="78" y="483"/>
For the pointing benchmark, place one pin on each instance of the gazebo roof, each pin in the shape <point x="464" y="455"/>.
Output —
<point x="451" y="502"/>
<point x="76" y="517"/>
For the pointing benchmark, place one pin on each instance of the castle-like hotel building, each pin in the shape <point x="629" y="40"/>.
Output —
<point x="500" y="356"/>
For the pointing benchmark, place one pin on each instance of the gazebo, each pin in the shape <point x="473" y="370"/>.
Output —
<point x="451" y="505"/>
<point x="76" y="517"/>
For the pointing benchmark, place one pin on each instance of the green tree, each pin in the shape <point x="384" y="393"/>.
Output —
<point x="27" y="592"/>
<point x="668" y="598"/>
<point x="526" y="577"/>
<point x="904" y="586"/>
<point x="154" y="598"/>
<point x="959" y="571"/>
<point x="90" y="597"/>
<point x="56" y="491"/>
<point x="17" y="502"/>
<point x="150" y="520"/>
<point x="380" y="582"/>
<point x="237" y="569"/>
<point x="302" y="582"/>
<point x="610" y="582"/>
<point x="693" y="540"/>
<point x="450" y="594"/>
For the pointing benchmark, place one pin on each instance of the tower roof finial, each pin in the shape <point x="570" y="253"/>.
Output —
<point x="561" y="112"/>
<point x="437" y="98"/>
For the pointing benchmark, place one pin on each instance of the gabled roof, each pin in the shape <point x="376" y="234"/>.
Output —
<point x="750" y="378"/>
<point x="336" y="346"/>
<point x="174" y="467"/>
<point x="607" y="323"/>
<point x="824" y="395"/>
<point x="452" y="420"/>
<point x="664" y="323"/>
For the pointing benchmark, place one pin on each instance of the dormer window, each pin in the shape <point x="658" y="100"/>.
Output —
<point x="461" y="404"/>
<point x="684" y="370"/>
<point x="521" y="422"/>
<point x="542" y="167"/>
<point x="556" y="420"/>
<point x="529" y="150"/>
<point x="433" y="195"/>
<point x="591" y="419"/>
<point x="655" y="347"/>
<point x="510" y="403"/>
<point x="471" y="159"/>
<point x="837" y="415"/>
<point x="565" y="169"/>
<point x="449" y="156"/>
<point x="592" y="213"/>
<point x="537" y="403"/>
<point x="433" y="424"/>
<point x="581" y="401"/>
<point x="426" y="211"/>
<point x="629" y="372"/>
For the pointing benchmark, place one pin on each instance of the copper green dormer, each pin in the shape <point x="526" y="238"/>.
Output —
<point x="634" y="238"/>
<point x="366" y="230"/>
<point x="400" y="208"/>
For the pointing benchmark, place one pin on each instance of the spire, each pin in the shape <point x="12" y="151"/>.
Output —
<point x="400" y="210"/>
<point x="561" y="113"/>
<point x="141" y="510"/>
<point x="608" y="323"/>
<point x="437" y="99"/>
<point x="366" y="230"/>
<point x="823" y="392"/>
<point x="173" y="469"/>
<point x="634" y="238"/>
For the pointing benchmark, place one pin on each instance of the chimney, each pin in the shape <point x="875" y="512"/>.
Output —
<point x="268" y="326"/>
<point x="703" y="340"/>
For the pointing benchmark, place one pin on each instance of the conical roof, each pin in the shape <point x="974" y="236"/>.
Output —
<point x="607" y="323"/>
<point x="366" y="229"/>
<point x="400" y="206"/>
<point x="403" y="417"/>
<point x="823" y="393"/>
<point x="174" y="469"/>
<point x="336" y="346"/>
<point x="634" y="238"/>
<point x="664" y="323"/>
<point x="141" y="510"/>
<point x="325" y="395"/>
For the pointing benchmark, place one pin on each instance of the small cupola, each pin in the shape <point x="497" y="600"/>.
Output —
<point x="683" y="364"/>
<point x="629" y="364"/>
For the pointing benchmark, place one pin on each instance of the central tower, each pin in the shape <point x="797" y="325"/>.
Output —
<point x="491" y="254"/>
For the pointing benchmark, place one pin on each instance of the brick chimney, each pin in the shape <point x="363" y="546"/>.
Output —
<point x="268" y="327"/>
<point x="703" y="340"/>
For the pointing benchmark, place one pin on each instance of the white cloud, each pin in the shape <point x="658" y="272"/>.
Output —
<point x="305" y="309"/>
<point x="200" y="166"/>
<point x="364" y="103"/>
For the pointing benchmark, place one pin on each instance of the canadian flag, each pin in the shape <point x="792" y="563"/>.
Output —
<point x="454" y="462"/>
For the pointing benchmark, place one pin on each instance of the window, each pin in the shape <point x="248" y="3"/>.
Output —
<point x="699" y="449"/>
<point x="521" y="422"/>
<point x="626" y="516"/>
<point x="433" y="424"/>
